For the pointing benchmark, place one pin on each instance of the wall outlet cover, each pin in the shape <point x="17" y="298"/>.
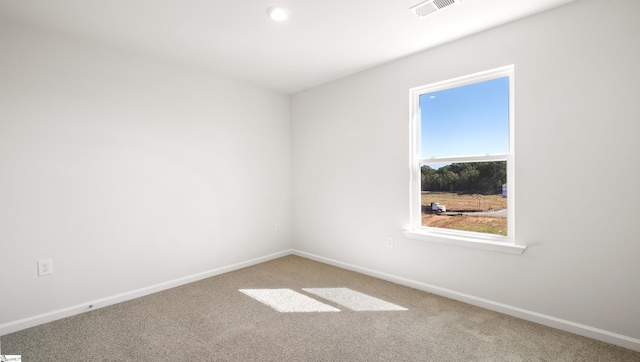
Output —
<point x="45" y="267"/>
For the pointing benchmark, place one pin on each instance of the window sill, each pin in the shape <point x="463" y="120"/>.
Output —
<point x="465" y="242"/>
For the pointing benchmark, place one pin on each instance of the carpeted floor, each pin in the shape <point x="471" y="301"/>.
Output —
<point x="212" y="320"/>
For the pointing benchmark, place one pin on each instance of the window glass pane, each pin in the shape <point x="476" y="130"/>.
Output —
<point x="465" y="121"/>
<point x="465" y="196"/>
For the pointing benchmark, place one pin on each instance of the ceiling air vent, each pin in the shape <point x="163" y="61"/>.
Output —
<point x="431" y="6"/>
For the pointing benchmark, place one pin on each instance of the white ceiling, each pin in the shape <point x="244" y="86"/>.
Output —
<point x="322" y="41"/>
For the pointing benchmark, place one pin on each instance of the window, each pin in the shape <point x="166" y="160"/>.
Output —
<point x="462" y="161"/>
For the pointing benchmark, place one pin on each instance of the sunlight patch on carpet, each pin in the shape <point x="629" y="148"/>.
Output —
<point x="288" y="301"/>
<point x="353" y="300"/>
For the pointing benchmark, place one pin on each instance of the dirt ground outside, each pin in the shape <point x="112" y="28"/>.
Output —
<point x="480" y="224"/>
<point x="466" y="203"/>
<point x="461" y="203"/>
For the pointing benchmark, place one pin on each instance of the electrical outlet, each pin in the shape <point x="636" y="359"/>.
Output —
<point x="45" y="267"/>
<point x="389" y="242"/>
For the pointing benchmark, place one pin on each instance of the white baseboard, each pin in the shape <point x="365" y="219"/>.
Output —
<point x="100" y="303"/>
<point x="577" y="328"/>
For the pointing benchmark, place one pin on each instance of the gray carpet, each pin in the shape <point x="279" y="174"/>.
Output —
<point x="211" y="320"/>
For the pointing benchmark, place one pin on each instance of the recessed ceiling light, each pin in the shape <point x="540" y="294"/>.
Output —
<point x="278" y="13"/>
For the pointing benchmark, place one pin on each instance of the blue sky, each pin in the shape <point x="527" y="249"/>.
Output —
<point x="467" y="120"/>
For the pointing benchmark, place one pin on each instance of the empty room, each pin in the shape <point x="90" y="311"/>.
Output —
<point x="296" y="180"/>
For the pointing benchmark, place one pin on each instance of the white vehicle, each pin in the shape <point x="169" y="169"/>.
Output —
<point x="436" y="207"/>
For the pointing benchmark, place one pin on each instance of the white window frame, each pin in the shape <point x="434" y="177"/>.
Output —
<point x="456" y="237"/>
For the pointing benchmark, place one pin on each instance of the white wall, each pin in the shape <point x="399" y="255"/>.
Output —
<point x="129" y="172"/>
<point x="577" y="105"/>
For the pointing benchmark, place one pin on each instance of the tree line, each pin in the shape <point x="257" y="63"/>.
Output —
<point x="477" y="177"/>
